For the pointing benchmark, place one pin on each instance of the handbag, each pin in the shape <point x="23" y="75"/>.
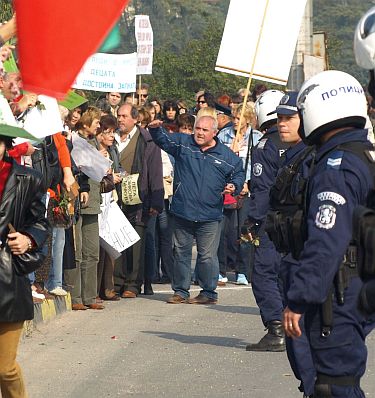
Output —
<point x="107" y="184"/>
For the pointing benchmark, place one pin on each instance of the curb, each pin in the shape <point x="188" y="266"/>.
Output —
<point x="47" y="310"/>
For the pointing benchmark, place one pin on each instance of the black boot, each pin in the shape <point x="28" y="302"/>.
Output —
<point x="147" y="289"/>
<point x="273" y="341"/>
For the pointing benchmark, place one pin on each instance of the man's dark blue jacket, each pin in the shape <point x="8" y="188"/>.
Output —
<point x="199" y="176"/>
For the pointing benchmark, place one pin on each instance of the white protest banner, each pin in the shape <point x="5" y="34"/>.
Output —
<point x="108" y="72"/>
<point x="145" y="44"/>
<point x="274" y="55"/>
<point x="115" y="231"/>
<point x="89" y="159"/>
<point x="43" y="119"/>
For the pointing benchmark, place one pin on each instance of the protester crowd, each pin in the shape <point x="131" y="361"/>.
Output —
<point x="208" y="176"/>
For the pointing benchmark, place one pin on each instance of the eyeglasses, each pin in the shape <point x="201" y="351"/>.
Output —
<point x="144" y="95"/>
<point x="201" y="102"/>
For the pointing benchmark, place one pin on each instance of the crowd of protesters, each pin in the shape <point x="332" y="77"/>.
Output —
<point x="119" y="130"/>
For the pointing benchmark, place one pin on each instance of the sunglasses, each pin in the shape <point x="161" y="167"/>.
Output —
<point x="201" y="102"/>
<point x="144" y="95"/>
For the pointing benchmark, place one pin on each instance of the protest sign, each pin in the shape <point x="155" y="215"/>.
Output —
<point x="108" y="72"/>
<point x="43" y="119"/>
<point x="269" y="47"/>
<point x="130" y="194"/>
<point x="115" y="231"/>
<point x="145" y="44"/>
<point x="89" y="159"/>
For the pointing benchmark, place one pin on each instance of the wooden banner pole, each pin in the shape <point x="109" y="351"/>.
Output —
<point x="239" y="135"/>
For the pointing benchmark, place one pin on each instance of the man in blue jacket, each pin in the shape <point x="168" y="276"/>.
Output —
<point x="205" y="169"/>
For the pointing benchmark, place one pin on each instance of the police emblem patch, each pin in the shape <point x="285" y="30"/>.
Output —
<point x="326" y="217"/>
<point x="257" y="169"/>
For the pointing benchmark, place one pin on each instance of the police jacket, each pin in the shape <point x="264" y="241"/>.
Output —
<point x="199" y="176"/>
<point x="285" y="218"/>
<point x="265" y="163"/>
<point x="340" y="181"/>
<point x="22" y="206"/>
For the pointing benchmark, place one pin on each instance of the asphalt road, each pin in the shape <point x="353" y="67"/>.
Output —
<point x="146" y="348"/>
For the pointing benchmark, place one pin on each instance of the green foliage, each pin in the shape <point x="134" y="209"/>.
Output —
<point x="339" y="20"/>
<point x="6" y="10"/>
<point x="181" y="75"/>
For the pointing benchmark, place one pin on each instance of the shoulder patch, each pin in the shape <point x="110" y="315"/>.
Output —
<point x="325" y="217"/>
<point x="335" y="159"/>
<point x="262" y="143"/>
<point x="332" y="196"/>
<point x="257" y="169"/>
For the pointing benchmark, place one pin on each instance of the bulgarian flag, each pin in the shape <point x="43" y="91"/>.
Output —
<point x="55" y="38"/>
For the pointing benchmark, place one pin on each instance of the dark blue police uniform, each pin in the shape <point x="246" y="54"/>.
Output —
<point x="266" y="161"/>
<point x="340" y="181"/>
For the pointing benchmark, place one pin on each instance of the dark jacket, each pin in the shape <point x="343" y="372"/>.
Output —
<point x="23" y="207"/>
<point x="199" y="176"/>
<point x="147" y="163"/>
<point x="115" y="157"/>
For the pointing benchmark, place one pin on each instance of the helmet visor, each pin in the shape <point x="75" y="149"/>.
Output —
<point x="368" y="26"/>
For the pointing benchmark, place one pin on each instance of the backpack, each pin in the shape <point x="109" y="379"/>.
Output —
<point x="45" y="159"/>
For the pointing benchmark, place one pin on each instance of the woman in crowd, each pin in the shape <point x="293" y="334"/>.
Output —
<point x="170" y="112"/>
<point x="158" y="108"/>
<point x="105" y="137"/>
<point x="205" y="100"/>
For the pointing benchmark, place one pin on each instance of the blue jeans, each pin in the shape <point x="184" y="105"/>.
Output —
<point x="164" y="231"/>
<point x="56" y="269"/>
<point x="206" y="235"/>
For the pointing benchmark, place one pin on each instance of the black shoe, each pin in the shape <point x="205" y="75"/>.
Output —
<point x="147" y="289"/>
<point x="273" y="341"/>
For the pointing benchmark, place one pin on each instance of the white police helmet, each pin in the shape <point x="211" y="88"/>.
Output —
<point x="330" y="100"/>
<point x="364" y="40"/>
<point x="265" y="104"/>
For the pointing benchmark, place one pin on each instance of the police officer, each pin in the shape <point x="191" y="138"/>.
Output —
<point x="266" y="161"/>
<point x="285" y="203"/>
<point x="326" y="285"/>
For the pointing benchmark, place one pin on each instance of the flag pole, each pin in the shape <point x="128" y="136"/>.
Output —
<point x="239" y="135"/>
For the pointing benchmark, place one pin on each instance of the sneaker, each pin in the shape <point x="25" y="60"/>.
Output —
<point x="222" y="280"/>
<point x="58" y="291"/>
<point x="37" y="295"/>
<point x="241" y="280"/>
